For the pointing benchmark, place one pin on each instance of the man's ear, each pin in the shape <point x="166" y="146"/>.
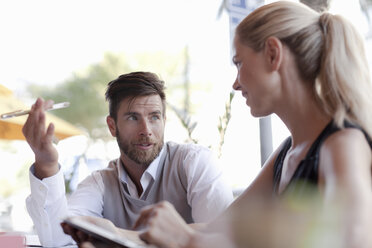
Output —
<point x="111" y="125"/>
<point x="273" y="52"/>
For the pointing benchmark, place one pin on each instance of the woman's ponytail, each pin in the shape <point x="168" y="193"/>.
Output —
<point x="343" y="82"/>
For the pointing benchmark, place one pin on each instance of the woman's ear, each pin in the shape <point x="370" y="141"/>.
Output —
<point x="111" y="125"/>
<point x="273" y="52"/>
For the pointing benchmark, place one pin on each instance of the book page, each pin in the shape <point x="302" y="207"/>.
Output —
<point x="125" y="238"/>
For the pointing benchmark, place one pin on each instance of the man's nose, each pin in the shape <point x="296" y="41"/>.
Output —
<point x="145" y="129"/>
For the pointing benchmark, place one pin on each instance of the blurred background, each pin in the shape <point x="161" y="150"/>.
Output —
<point x="69" y="50"/>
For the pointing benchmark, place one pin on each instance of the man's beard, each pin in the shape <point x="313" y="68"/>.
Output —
<point x="143" y="157"/>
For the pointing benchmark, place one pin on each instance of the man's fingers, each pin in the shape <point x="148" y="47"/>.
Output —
<point x="46" y="136"/>
<point x="31" y="123"/>
<point x="49" y="134"/>
<point x="34" y="127"/>
<point x="35" y="130"/>
<point x="40" y="125"/>
<point x="48" y="104"/>
<point x="76" y="235"/>
<point x="70" y="231"/>
<point x="82" y="236"/>
<point x="65" y="227"/>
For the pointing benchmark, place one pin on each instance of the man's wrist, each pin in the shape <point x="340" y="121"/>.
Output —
<point x="45" y="170"/>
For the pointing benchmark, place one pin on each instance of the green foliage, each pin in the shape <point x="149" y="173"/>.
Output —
<point x="85" y="92"/>
<point x="186" y="122"/>
<point x="189" y="125"/>
<point x="224" y="122"/>
<point x="85" y="89"/>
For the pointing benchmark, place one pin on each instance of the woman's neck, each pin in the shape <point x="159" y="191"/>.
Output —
<point x="305" y="124"/>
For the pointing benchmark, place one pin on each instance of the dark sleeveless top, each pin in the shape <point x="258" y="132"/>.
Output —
<point x="305" y="177"/>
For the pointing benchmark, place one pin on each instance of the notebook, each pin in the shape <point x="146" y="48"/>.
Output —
<point x="103" y="235"/>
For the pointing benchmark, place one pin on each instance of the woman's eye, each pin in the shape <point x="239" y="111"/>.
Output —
<point x="236" y="62"/>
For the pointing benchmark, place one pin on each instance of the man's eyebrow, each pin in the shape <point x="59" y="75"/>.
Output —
<point x="131" y="113"/>
<point x="157" y="112"/>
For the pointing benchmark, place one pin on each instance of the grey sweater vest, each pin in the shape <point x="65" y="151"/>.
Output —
<point x="170" y="185"/>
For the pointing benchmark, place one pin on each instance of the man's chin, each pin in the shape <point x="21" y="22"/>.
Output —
<point x="140" y="156"/>
<point x="144" y="158"/>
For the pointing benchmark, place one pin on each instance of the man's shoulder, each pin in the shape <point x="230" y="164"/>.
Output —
<point x="188" y="150"/>
<point x="186" y="147"/>
<point x="111" y="167"/>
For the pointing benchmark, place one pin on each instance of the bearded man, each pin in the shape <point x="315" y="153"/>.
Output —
<point x="148" y="170"/>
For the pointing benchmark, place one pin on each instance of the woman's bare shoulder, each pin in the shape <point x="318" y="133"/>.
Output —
<point x="343" y="154"/>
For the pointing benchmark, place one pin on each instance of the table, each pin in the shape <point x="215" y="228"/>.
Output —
<point x="32" y="240"/>
<point x="18" y="239"/>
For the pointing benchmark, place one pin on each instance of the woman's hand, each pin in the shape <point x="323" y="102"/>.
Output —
<point x="161" y="225"/>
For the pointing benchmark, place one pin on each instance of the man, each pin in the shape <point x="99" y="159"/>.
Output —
<point x="148" y="171"/>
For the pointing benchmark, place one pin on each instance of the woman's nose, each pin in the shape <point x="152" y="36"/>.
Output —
<point x="236" y="85"/>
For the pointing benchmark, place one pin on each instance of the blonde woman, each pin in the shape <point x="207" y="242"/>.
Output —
<point x="309" y="69"/>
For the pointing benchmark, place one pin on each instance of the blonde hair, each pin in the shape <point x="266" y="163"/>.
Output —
<point x="329" y="53"/>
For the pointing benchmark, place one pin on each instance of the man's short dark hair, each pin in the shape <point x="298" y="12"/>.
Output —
<point x="133" y="85"/>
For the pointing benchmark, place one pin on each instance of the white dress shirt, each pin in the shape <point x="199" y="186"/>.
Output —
<point x="48" y="206"/>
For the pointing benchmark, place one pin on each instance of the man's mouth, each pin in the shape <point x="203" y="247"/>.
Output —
<point x="144" y="145"/>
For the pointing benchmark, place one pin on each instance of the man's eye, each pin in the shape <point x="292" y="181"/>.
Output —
<point x="132" y="118"/>
<point x="155" y="117"/>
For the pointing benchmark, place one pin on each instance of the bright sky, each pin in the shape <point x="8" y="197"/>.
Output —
<point x="43" y="41"/>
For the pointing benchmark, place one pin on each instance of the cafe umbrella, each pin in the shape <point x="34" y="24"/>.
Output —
<point x="11" y="129"/>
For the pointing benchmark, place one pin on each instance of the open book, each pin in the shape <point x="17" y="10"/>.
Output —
<point x="131" y="240"/>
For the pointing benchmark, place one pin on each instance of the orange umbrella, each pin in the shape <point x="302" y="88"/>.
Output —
<point x="11" y="129"/>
